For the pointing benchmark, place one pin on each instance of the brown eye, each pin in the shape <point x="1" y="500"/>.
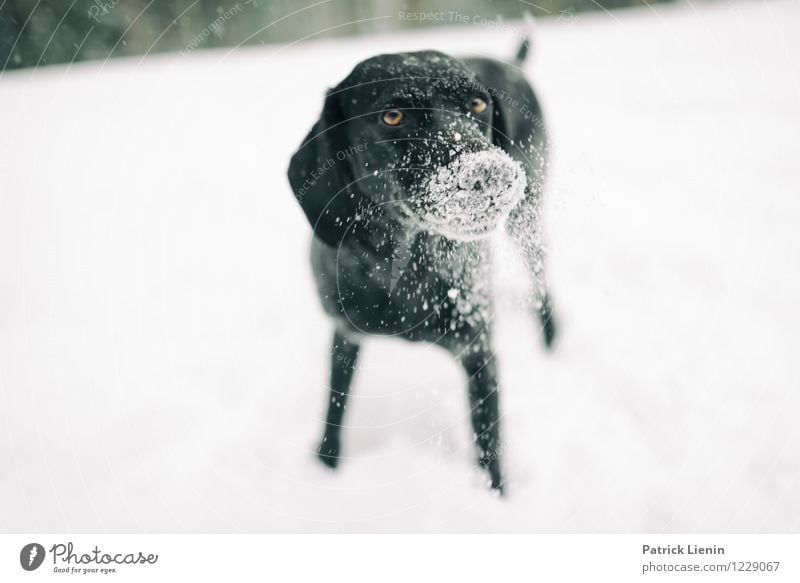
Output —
<point x="393" y="117"/>
<point x="477" y="105"/>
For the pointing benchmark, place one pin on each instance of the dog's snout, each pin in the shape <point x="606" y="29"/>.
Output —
<point x="485" y="174"/>
<point x="470" y="195"/>
<point x="473" y="184"/>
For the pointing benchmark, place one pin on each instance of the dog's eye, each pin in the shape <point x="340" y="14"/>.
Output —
<point x="477" y="105"/>
<point x="393" y="117"/>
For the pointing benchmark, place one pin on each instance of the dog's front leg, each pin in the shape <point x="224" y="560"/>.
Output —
<point x="524" y="227"/>
<point x="483" y="401"/>
<point x="344" y="353"/>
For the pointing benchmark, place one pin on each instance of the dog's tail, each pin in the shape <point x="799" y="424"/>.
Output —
<point x="524" y="47"/>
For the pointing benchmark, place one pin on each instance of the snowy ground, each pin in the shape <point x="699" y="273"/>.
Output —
<point x="162" y="352"/>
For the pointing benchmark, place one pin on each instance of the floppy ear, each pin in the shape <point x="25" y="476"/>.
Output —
<point x="321" y="180"/>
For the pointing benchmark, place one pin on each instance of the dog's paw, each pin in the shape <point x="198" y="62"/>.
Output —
<point x="549" y="330"/>
<point x="491" y="466"/>
<point x="328" y="454"/>
<point x="547" y="320"/>
<point x="497" y="489"/>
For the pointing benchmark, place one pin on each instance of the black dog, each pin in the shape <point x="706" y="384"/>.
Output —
<point x="414" y="162"/>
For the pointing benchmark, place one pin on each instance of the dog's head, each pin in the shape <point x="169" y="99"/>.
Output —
<point x="411" y="137"/>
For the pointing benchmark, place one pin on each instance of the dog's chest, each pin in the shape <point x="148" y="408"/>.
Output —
<point x="424" y="289"/>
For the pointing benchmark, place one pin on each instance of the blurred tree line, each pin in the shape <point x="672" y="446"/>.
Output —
<point x="34" y="32"/>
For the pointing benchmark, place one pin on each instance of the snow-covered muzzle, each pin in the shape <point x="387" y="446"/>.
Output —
<point x="469" y="197"/>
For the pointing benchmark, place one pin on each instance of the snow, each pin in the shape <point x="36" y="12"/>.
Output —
<point x="455" y="197"/>
<point x="163" y="353"/>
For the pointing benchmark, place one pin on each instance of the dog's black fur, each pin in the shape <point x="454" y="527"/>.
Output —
<point x="381" y="271"/>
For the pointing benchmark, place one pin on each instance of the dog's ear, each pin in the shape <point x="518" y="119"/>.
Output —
<point x="320" y="180"/>
<point x="519" y="131"/>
